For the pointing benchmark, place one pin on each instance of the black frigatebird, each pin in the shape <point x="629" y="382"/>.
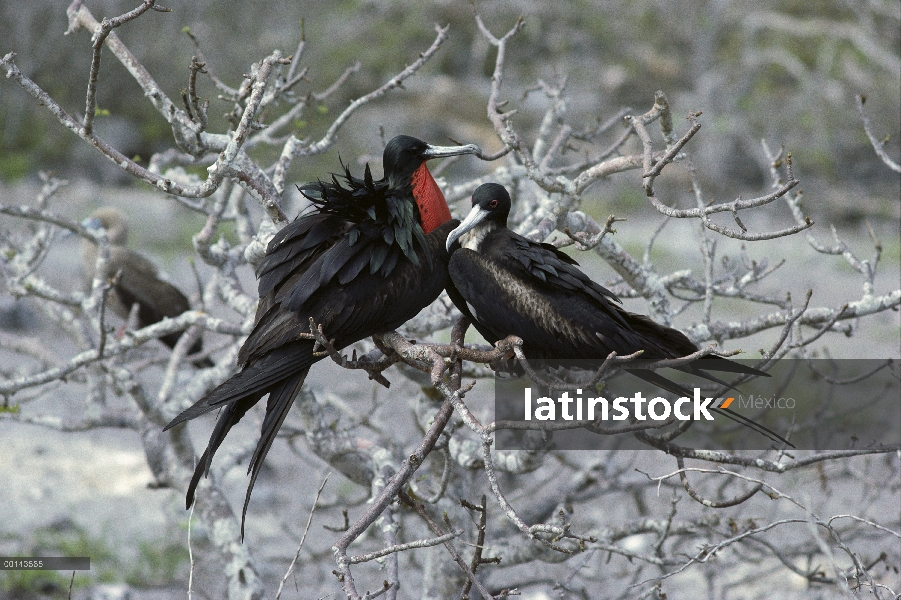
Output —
<point x="139" y="281"/>
<point x="509" y="285"/>
<point x="368" y="257"/>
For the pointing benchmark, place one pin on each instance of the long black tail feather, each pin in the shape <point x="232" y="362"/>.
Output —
<point x="280" y="400"/>
<point x="231" y="414"/>
<point x="279" y="374"/>
<point x="718" y="363"/>
<point x="261" y="375"/>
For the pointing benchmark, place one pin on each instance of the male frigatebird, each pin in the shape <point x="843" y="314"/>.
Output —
<point x="139" y="281"/>
<point x="509" y="285"/>
<point x="367" y="259"/>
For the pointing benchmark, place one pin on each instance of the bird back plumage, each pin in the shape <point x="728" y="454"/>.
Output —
<point x="375" y="210"/>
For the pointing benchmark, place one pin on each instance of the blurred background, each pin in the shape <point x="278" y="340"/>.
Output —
<point x="786" y="71"/>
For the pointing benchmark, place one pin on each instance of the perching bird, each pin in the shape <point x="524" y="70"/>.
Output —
<point x="509" y="285"/>
<point x="139" y="282"/>
<point x="367" y="259"/>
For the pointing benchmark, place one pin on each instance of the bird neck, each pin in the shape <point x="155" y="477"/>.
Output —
<point x="473" y="238"/>
<point x="433" y="210"/>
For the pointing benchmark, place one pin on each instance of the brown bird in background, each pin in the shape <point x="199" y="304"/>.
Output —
<point x="139" y="281"/>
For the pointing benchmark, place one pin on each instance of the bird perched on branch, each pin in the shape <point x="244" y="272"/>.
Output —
<point x="368" y="257"/>
<point x="509" y="285"/>
<point x="138" y="282"/>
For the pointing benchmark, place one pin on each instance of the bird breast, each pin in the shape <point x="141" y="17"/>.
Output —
<point x="525" y="300"/>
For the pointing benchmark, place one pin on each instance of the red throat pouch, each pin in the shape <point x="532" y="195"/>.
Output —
<point x="433" y="208"/>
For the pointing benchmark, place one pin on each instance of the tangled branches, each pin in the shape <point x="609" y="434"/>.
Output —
<point x="528" y="518"/>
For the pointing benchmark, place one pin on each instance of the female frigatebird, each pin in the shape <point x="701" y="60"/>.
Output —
<point x="369" y="257"/>
<point x="509" y="285"/>
<point x="139" y="280"/>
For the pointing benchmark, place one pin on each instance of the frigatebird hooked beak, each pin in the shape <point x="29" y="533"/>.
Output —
<point x="367" y="259"/>
<point x="509" y="285"/>
<point x="472" y="222"/>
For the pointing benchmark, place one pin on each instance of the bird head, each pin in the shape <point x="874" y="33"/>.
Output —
<point x="490" y="204"/>
<point x="113" y="221"/>
<point x="404" y="162"/>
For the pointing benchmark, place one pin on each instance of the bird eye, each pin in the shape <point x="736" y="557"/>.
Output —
<point x="492" y="204"/>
